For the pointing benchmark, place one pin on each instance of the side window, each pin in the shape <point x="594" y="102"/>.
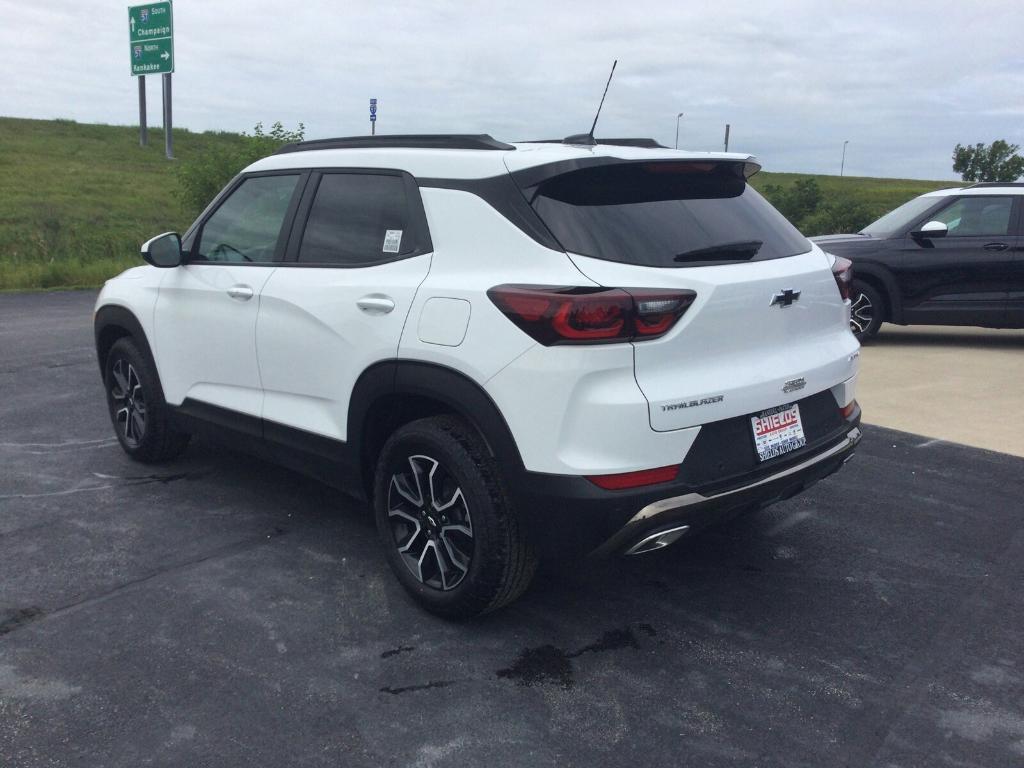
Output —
<point x="357" y="219"/>
<point x="977" y="216"/>
<point x="245" y="227"/>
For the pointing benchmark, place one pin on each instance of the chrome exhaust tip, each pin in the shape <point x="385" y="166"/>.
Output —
<point x="658" y="540"/>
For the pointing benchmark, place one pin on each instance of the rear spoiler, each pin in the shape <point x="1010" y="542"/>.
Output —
<point x="744" y="166"/>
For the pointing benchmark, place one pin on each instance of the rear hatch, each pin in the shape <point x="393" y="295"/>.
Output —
<point x="768" y="326"/>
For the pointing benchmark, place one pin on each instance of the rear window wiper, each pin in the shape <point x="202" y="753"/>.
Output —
<point x="740" y="250"/>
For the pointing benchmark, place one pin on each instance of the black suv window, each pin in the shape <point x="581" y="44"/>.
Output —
<point x="245" y="227"/>
<point x="898" y="220"/>
<point x="977" y="216"/>
<point x="357" y="219"/>
<point x="665" y="214"/>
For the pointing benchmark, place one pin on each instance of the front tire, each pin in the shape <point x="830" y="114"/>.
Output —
<point x="867" y="310"/>
<point x="449" y="530"/>
<point x="141" y="418"/>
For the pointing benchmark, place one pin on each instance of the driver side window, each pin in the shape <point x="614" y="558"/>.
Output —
<point x="977" y="216"/>
<point x="245" y="227"/>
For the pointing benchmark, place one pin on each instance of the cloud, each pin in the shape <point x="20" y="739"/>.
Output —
<point x="903" y="82"/>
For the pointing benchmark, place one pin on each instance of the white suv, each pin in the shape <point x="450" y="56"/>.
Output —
<point x="512" y="350"/>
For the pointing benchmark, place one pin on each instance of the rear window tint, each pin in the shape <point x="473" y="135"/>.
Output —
<point x="665" y="214"/>
<point x="357" y="219"/>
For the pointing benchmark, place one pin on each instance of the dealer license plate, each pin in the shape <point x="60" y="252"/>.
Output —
<point x="778" y="431"/>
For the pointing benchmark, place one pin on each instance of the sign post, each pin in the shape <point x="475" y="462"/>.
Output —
<point x="151" y="48"/>
<point x="143" y="136"/>
<point x="373" y="117"/>
<point x="168" y="140"/>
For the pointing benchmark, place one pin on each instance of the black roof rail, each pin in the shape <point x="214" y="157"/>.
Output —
<point x="995" y="184"/>
<point x="401" y="141"/>
<point x="584" y="139"/>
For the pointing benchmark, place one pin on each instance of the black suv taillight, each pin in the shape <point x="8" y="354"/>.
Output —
<point x="842" y="271"/>
<point x="576" y="315"/>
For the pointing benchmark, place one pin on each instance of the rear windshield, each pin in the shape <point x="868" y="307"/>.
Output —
<point x="664" y="214"/>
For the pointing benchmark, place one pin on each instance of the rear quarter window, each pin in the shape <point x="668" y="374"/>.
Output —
<point x="664" y="214"/>
<point x="357" y="219"/>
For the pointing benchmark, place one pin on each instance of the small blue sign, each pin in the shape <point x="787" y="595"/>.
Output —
<point x="373" y="118"/>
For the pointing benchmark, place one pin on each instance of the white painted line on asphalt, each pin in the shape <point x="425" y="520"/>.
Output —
<point x="76" y="444"/>
<point x="56" y="493"/>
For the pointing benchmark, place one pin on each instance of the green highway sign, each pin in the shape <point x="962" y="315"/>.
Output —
<point x="151" y="36"/>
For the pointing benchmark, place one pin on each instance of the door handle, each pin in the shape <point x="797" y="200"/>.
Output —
<point x="241" y="292"/>
<point x="996" y="246"/>
<point x="376" y="304"/>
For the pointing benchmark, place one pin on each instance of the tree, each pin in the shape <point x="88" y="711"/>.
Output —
<point x="202" y="176"/>
<point x="795" y="202"/>
<point x="838" y="214"/>
<point x="816" y="212"/>
<point x="998" y="161"/>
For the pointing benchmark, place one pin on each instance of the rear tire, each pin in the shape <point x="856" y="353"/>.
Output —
<point x="444" y="517"/>
<point x="867" y="310"/>
<point x="135" y="399"/>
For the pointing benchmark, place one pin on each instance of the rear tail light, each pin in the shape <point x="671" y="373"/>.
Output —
<point x="842" y="271"/>
<point x="847" y="410"/>
<point x="635" y="479"/>
<point x="565" y="315"/>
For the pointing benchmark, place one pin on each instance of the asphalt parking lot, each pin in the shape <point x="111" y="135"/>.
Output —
<point x="221" y="611"/>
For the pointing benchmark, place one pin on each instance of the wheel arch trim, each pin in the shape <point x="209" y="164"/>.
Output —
<point x="883" y="280"/>
<point x="117" y="316"/>
<point x="452" y="388"/>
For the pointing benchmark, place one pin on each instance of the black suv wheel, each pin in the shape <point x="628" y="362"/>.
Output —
<point x="867" y="310"/>
<point x="444" y="517"/>
<point x="137" y="408"/>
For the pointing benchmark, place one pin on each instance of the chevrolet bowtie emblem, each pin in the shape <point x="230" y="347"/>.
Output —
<point x="785" y="298"/>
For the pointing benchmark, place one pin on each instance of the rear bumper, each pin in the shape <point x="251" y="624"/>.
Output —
<point x="573" y="516"/>
<point x="694" y="508"/>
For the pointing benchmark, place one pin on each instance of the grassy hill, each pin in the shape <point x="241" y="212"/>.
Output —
<point x="880" y="194"/>
<point x="76" y="200"/>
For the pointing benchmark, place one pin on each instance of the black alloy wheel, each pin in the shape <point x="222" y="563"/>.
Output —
<point x="129" y="402"/>
<point x="141" y="418"/>
<point x="430" y="523"/>
<point x="867" y="310"/>
<point x="450" y="531"/>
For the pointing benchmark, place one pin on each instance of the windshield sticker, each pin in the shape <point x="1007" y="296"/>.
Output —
<point x="392" y="240"/>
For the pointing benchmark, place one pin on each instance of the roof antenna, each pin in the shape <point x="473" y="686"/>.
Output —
<point x="588" y="138"/>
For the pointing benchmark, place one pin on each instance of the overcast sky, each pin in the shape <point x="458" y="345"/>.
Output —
<point x="903" y="81"/>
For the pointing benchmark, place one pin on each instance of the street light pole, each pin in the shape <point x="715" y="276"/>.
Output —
<point x="842" y="165"/>
<point x="677" y="128"/>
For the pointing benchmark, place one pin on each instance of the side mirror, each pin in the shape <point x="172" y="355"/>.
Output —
<point x="163" y="250"/>
<point x="930" y="231"/>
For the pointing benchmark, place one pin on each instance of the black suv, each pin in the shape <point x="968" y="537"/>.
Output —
<point x="951" y="257"/>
